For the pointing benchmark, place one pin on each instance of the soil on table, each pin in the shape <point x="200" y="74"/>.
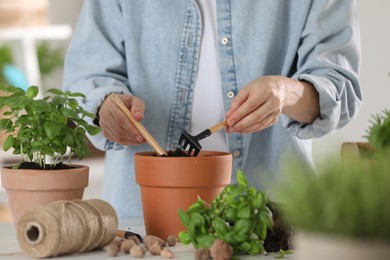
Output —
<point x="33" y="165"/>
<point x="282" y="233"/>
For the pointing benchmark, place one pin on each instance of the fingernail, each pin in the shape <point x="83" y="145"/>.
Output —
<point x="139" y="115"/>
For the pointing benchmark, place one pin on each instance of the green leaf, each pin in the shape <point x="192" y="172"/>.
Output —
<point x="220" y="226"/>
<point x="55" y="91"/>
<point x="16" y="102"/>
<point x="68" y="140"/>
<point x="93" y="130"/>
<point x="32" y="92"/>
<point x="184" y="237"/>
<point x="241" y="179"/>
<point x="8" y="143"/>
<point x="76" y="94"/>
<point x="244" y="212"/>
<point x="43" y="105"/>
<point x="73" y="104"/>
<point x="5" y="124"/>
<point x="206" y="241"/>
<point x="184" y="218"/>
<point x="52" y="128"/>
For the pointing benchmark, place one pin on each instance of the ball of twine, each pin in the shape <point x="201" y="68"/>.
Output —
<point x="66" y="227"/>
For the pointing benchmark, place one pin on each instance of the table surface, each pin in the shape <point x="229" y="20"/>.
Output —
<point x="9" y="247"/>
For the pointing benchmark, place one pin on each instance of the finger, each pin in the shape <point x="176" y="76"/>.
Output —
<point x="252" y="101"/>
<point x="116" y="123"/>
<point x="137" y="107"/>
<point x="268" y="121"/>
<point x="258" y="118"/>
<point x="240" y="98"/>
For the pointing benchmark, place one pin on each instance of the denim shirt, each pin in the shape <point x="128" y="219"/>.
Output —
<point x="150" y="49"/>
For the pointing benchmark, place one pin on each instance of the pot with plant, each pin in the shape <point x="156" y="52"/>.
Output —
<point x="378" y="137"/>
<point x="343" y="212"/>
<point x="47" y="133"/>
<point x="240" y="220"/>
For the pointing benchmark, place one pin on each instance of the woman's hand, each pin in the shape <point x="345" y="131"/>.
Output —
<point x="114" y="123"/>
<point x="259" y="104"/>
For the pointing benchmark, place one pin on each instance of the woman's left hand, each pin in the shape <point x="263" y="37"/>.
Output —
<point x="260" y="103"/>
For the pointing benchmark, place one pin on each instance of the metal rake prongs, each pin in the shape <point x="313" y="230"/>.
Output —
<point x="192" y="142"/>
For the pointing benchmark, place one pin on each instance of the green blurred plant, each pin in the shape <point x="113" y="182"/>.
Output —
<point x="5" y="58"/>
<point x="348" y="198"/>
<point x="49" y="59"/>
<point x="238" y="215"/>
<point x="378" y="133"/>
<point x="39" y="128"/>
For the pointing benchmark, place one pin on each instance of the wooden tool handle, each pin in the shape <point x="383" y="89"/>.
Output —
<point x="148" y="137"/>
<point x="217" y="127"/>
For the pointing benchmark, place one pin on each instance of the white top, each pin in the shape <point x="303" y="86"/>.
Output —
<point x="207" y="109"/>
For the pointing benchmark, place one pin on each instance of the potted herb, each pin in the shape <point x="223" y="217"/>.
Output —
<point x="40" y="131"/>
<point x="378" y="137"/>
<point x="343" y="212"/>
<point x="242" y="217"/>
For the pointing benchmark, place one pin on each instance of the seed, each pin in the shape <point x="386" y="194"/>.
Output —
<point x="149" y="240"/>
<point x="127" y="245"/>
<point x="220" y="250"/>
<point x="112" y="249"/>
<point x="171" y="240"/>
<point x="136" y="239"/>
<point x="137" y="251"/>
<point x="166" y="253"/>
<point x="155" y="249"/>
<point x="202" y="254"/>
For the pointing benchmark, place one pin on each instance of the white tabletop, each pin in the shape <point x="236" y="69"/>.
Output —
<point x="9" y="247"/>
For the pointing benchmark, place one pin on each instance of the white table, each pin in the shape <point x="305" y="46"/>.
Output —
<point x="9" y="247"/>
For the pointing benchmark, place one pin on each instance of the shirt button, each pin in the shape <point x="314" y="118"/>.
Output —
<point x="225" y="40"/>
<point x="236" y="153"/>
<point x="230" y="94"/>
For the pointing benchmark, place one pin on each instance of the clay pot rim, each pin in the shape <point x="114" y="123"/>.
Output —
<point x="30" y="179"/>
<point x="74" y="166"/>
<point x="203" y="155"/>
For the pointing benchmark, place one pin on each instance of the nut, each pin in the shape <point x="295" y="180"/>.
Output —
<point x="112" y="249"/>
<point x="166" y="253"/>
<point x="127" y="245"/>
<point x="202" y="254"/>
<point x="155" y="249"/>
<point x="172" y="240"/>
<point x="137" y="251"/>
<point x="220" y="250"/>
<point x="149" y="240"/>
<point x="135" y="238"/>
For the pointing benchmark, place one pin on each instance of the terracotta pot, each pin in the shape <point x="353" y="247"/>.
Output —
<point x="28" y="188"/>
<point x="324" y="247"/>
<point x="172" y="183"/>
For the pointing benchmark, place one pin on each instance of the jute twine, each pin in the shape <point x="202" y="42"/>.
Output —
<point x="66" y="227"/>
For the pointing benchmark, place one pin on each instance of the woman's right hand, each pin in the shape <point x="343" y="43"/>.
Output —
<point x="116" y="126"/>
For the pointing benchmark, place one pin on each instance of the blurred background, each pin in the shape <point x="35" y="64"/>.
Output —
<point x="35" y="34"/>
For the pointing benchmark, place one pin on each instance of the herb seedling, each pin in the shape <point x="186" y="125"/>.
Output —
<point x="378" y="134"/>
<point x="238" y="215"/>
<point x="39" y="128"/>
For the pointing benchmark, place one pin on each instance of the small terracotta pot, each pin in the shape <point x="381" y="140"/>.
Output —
<point x="28" y="188"/>
<point x="172" y="183"/>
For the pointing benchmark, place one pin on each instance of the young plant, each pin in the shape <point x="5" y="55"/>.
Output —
<point x="348" y="198"/>
<point x="39" y="128"/>
<point x="238" y="215"/>
<point x="378" y="133"/>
